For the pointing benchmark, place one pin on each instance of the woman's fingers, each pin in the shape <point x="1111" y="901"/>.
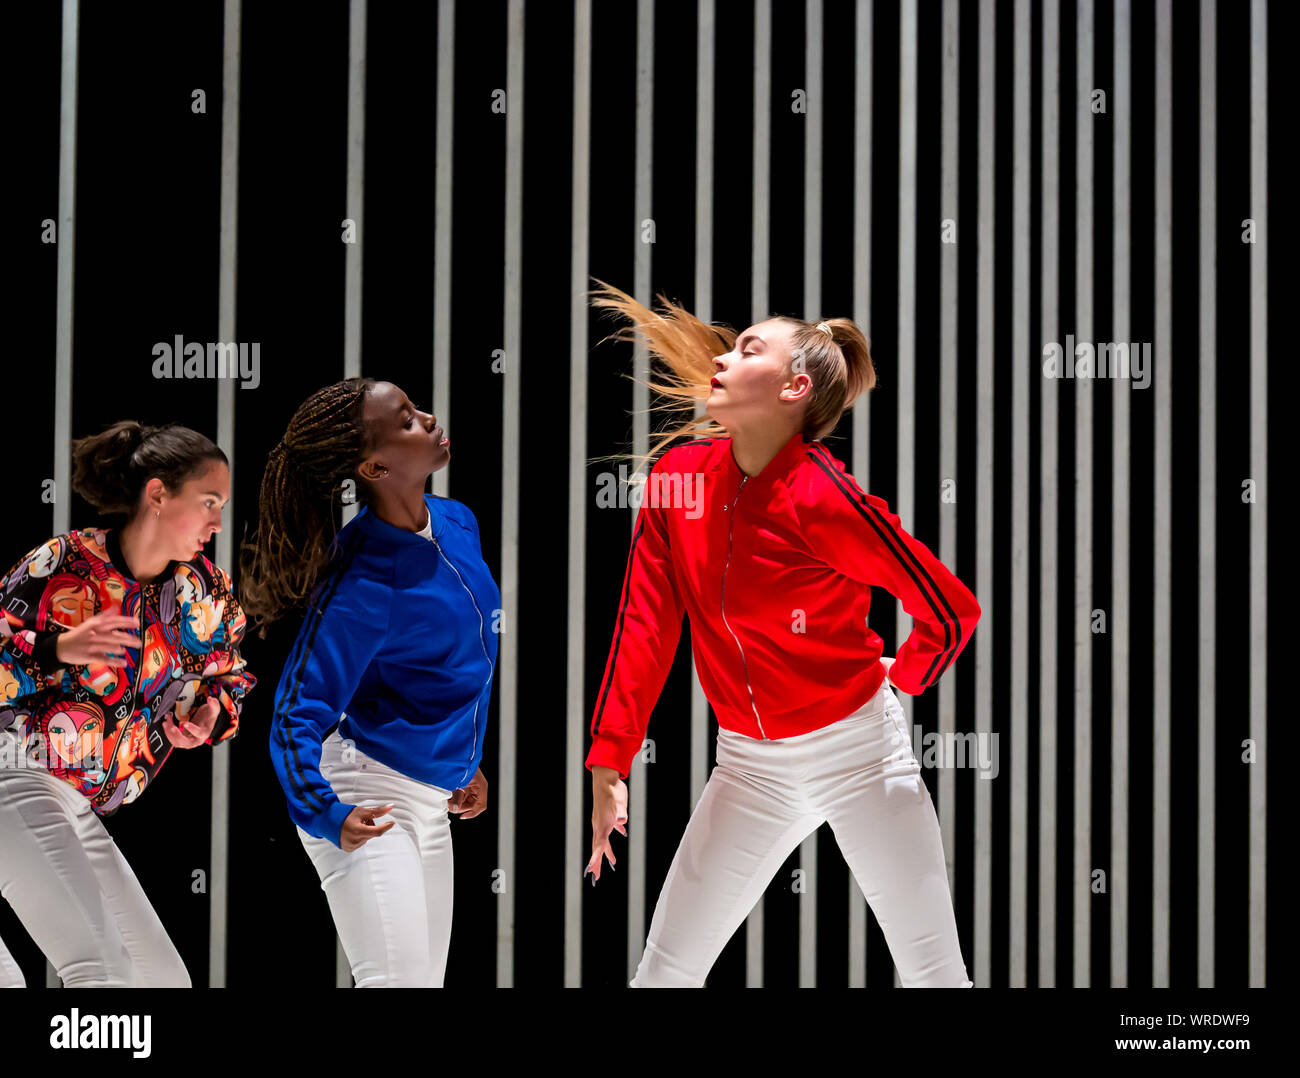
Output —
<point x="182" y="739"/>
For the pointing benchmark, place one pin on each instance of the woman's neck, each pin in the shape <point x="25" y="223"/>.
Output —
<point x="402" y="509"/>
<point x="754" y="449"/>
<point x="139" y="549"/>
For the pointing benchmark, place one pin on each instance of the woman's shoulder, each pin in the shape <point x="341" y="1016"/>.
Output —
<point x="457" y="512"/>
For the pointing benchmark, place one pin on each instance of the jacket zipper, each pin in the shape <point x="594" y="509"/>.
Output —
<point x="730" y="524"/>
<point x="482" y="643"/>
<point x="130" y="719"/>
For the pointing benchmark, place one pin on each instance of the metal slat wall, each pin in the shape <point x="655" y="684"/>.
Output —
<point x="1077" y="255"/>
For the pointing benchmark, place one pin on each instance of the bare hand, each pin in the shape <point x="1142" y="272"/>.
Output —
<point x="192" y="732"/>
<point x="99" y="639"/>
<point x="608" y="813"/>
<point x="360" y="827"/>
<point x="470" y="800"/>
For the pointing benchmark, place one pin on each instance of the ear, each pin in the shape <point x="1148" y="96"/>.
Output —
<point x="800" y="389"/>
<point x="153" y="494"/>
<point x="371" y="470"/>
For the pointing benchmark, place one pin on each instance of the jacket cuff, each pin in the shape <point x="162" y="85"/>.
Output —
<point x="905" y="683"/>
<point x="45" y="653"/>
<point x="615" y="752"/>
<point x="329" y="824"/>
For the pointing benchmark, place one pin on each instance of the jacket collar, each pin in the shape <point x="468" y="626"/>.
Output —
<point x="779" y="467"/>
<point x="113" y="548"/>
<point x="391" y="533"/>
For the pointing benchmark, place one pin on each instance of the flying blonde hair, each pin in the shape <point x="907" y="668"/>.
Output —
<point x="833" y="352"/>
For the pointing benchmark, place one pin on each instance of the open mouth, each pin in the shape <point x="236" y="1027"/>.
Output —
<point x="716" y="384"/>
<point x="443" y="440"/>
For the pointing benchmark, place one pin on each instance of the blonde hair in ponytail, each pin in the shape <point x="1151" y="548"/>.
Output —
<point x="834" y="353"/>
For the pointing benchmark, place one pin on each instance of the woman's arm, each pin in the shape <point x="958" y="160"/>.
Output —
<point x="860" y="536"/>
<point x="346" y="623"/>
<point x="646" y="632"/>
<point x="226" y="678"/>
<point x="28" y="639"/>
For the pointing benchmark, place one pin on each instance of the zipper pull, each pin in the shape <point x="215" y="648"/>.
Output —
<point x="737" y="497"/>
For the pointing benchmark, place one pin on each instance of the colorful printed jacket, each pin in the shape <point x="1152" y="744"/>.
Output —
<point x="99" y="727"/>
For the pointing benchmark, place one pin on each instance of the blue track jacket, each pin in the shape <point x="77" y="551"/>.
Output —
<point x="399" y="642"/>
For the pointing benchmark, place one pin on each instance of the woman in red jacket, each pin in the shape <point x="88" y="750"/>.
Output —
<point x="758" y="535"/>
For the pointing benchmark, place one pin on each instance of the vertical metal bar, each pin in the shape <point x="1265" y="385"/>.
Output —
<point x="704" y="104"/>
<point x="1257" y="930"/>
<point x="1206" y="607"/>
<point x="1083" y="390"/>
<point x="1121" y="539"/>
<point x="984" y="480"/>
<point x="356" y="193"/>
<point x="64" y="290"/>
<point x="1049" y="495"/>
<point x="906" y="497"/>
<point x="444" y="143"/>
<point x="219" y="861"/>
<point x="1161" y="805"/>
<point x="639" y="773"/>
<point x="812" y="299"/>
<point x="1022" y="365"/>
<point x="575" y="857"/>
<point x="949" y="295"/>
<point x="863" y="69"/>
<point x="507" y="666"/>
<point x="352" y="255"/>
<point x="761" y="252"/>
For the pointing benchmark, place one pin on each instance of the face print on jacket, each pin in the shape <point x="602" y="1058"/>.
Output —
<point x="76" y="734"/>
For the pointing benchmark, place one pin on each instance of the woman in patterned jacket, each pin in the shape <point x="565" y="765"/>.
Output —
<point x="116" y="646"/>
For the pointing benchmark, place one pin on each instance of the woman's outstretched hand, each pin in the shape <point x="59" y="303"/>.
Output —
<point x="608" y="813"/>
<point x="470" y="800"/>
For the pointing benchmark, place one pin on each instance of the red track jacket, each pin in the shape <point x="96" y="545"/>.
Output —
<point x="774" y="571"/>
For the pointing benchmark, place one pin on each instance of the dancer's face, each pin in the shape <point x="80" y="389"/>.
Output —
<point x="191" y="516"/>
<point x="404" y="440"/>
<point x="754" y="383"/>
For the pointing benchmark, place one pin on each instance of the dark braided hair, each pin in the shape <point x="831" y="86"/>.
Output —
<point x="302" y="486"/>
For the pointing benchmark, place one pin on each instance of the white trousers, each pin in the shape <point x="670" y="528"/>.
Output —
<point x="763" y="799"/>
<point x="391" y="897"/>
<point x="73" y="890"/>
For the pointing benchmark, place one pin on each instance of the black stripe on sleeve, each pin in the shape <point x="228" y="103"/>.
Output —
<point x="869" y="513"/>
<point x="618" y="633"/>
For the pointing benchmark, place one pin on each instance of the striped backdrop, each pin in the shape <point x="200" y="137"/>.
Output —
<point x="974" y="182"/>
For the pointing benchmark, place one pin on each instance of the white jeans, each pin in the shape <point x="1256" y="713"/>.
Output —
<point x="391" y="897"/>
<point x="73" y="890"/>
<point x="764" y="798"/>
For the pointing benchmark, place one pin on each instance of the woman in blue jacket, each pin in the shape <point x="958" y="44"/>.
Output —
<point x="397" y="649"/>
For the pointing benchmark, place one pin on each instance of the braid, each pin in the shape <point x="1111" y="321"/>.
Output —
<point x="320" y="450"/>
